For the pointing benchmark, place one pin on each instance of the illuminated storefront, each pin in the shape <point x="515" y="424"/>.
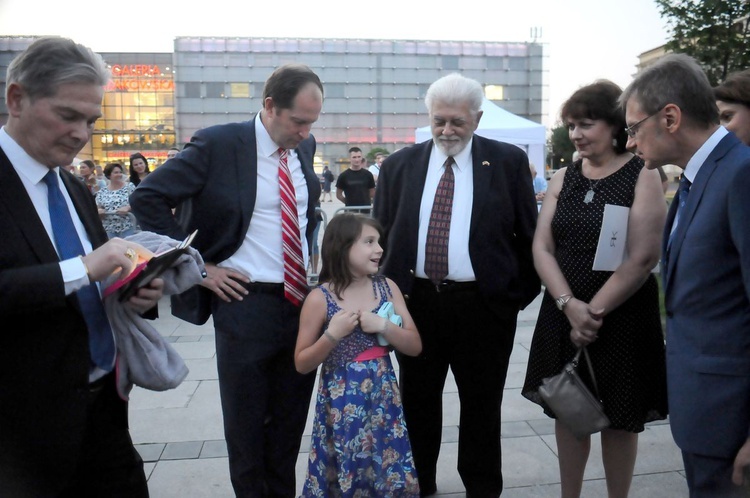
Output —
<point x="138" y="109"/>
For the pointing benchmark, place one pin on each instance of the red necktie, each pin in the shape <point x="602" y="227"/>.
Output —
<point x="436" y="247"/>
<point x="295" y="277"/>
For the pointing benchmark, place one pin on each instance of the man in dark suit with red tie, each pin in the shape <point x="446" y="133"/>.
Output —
<point x="63" y="427"/>
<point x="459" y="215"/>
<point x="244" y="181"/>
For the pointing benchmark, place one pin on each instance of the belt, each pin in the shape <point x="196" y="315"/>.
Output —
<point x="447" y="286"/>
<point x="265" y="288"/>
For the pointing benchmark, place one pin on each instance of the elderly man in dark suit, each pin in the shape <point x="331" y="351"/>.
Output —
<point x="63" y="427"/>
<point x="244" y="182"/>
<point x="459" y="216"/>
<point x="706" y="270"/>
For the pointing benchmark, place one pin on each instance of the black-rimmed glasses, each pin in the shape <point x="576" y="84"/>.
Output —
<point x="633" y="129"/>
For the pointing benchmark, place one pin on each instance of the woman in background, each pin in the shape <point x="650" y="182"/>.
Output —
<point x="733" y="100"/>
<point x="138" y="168"/>
<point x="114" y="203"/>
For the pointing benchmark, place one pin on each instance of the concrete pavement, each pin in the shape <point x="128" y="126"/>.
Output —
<point x="179" y="433"/>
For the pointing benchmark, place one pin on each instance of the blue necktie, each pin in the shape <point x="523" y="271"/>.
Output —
<point x="682" y="196"/>
<point x="101" y="342"/>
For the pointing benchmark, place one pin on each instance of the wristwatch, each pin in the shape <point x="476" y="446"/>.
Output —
<point x="562" y="301"/>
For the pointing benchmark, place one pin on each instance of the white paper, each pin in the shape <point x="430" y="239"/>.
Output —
<point x="610" y="251"/>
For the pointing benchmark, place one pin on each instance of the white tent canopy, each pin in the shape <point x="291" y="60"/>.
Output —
<point x="499" y="124"/>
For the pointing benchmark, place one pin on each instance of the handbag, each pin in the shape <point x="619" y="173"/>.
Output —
<point x="572" y="402"/>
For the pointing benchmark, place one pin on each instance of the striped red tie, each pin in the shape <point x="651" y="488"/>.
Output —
<point x="295" y="277"/>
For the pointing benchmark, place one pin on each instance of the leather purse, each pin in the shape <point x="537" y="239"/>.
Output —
<point x="574" y="405"/>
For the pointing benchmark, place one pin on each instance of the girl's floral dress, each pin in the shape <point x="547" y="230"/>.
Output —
<point x="360" y="447"/>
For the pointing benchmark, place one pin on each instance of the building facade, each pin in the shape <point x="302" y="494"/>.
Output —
<point x="374" y="89"/>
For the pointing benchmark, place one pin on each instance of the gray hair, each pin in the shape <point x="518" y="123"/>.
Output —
<point x="51" y="62"/>
<point x="674" y="79"/>
<point x="455" y="89"/>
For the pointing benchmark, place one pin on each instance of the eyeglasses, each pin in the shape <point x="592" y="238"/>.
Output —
<point x="633" y="129"/>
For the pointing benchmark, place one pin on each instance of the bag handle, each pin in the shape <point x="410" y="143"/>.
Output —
<point x="591" y="369"/>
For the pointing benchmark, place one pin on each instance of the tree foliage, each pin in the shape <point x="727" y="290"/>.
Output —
<point x="714" y="32"/>
<point x="561" y="146"/>
<point x="371" y="155"/>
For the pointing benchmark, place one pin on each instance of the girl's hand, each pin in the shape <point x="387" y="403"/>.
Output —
<point x="342" y="324"/>
<point x="372" y="323"/>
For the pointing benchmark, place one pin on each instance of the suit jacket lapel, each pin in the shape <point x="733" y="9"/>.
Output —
<point x="246" y="162"/>
<point x="694" y="198"/>
<point x="482" y="172"/>
<point x="22" y="212"/>
<point x="91" y="222"/>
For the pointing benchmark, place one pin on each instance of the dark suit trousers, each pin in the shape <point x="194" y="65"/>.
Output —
<point x="458" y="330"/>
<point x="711" y="477"/>
<point x="109" y="465"/>
<point x="263" y="399"/>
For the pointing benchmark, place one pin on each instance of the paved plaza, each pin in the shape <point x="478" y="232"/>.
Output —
<point x="180" y="435"/>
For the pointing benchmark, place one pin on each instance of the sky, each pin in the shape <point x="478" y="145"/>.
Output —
<point x="585" y="40"/>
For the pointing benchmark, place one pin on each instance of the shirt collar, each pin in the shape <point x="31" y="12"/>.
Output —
<point x="461" y="160"/>
<point x="266" y="146"/>
<point x="22" y="162"/>
<point x="700" y="156"/>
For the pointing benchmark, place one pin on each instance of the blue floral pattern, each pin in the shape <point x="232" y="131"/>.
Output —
<point x="360" y="445"/>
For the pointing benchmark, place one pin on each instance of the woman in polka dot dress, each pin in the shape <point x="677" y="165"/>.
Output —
<point x="615" y="314"/>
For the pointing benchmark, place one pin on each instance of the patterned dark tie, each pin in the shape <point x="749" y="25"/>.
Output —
<point x="683" y="190"/>
<point x="101" y="341"/>
<point x="295" y="276"/>
<point x="436" y="246"/>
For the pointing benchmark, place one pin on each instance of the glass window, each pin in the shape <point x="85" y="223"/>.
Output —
<point x="239" y="90"/>
<point x="335" y="90"/>
<point x="213" y="60"/>
<point x="497" y="49"/>
<point x="449" y="62"/>
<point x="238" y="45"/>
<point x="495" y="63"/>
<point x="192" y="90"/>
<point x="517" y="63"/>
<point x="215" y="90"/>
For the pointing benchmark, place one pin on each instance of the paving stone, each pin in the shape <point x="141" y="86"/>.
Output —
<point x="182" y="450"/>
<point x="214" y="449"/>
<point x="150" y="452"/>
<point x="200" y="478"/>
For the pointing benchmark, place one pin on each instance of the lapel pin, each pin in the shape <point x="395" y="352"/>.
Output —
<point x="485" y="163"/>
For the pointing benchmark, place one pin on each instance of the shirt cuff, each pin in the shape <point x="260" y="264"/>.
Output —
<point x="74" y="275"/>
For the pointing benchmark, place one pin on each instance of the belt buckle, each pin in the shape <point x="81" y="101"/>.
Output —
<point x="442" y="286"/>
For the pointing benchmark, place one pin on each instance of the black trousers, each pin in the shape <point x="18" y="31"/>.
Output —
<point x="461" y="331"/>
<point x="109" y="465"/>
<point x="263" y="399"/>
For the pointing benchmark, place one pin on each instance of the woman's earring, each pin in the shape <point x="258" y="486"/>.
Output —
<point x="614" y="142"/>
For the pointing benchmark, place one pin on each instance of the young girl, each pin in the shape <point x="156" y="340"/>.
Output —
<point x="359" y="446"/>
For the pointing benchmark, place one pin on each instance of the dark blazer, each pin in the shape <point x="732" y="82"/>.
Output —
<point x="44" y="352"/>
<point x="503" y="218"/>
<point x="218" y="172"/>
<point x="707" y="298"/>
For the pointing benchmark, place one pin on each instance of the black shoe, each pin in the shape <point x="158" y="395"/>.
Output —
<point x="427" y="489"/>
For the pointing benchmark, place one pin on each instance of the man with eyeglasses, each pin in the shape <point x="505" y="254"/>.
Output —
<point x="706" y="270"/>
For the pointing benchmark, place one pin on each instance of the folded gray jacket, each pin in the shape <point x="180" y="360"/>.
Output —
<point x="144" y="357"/>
